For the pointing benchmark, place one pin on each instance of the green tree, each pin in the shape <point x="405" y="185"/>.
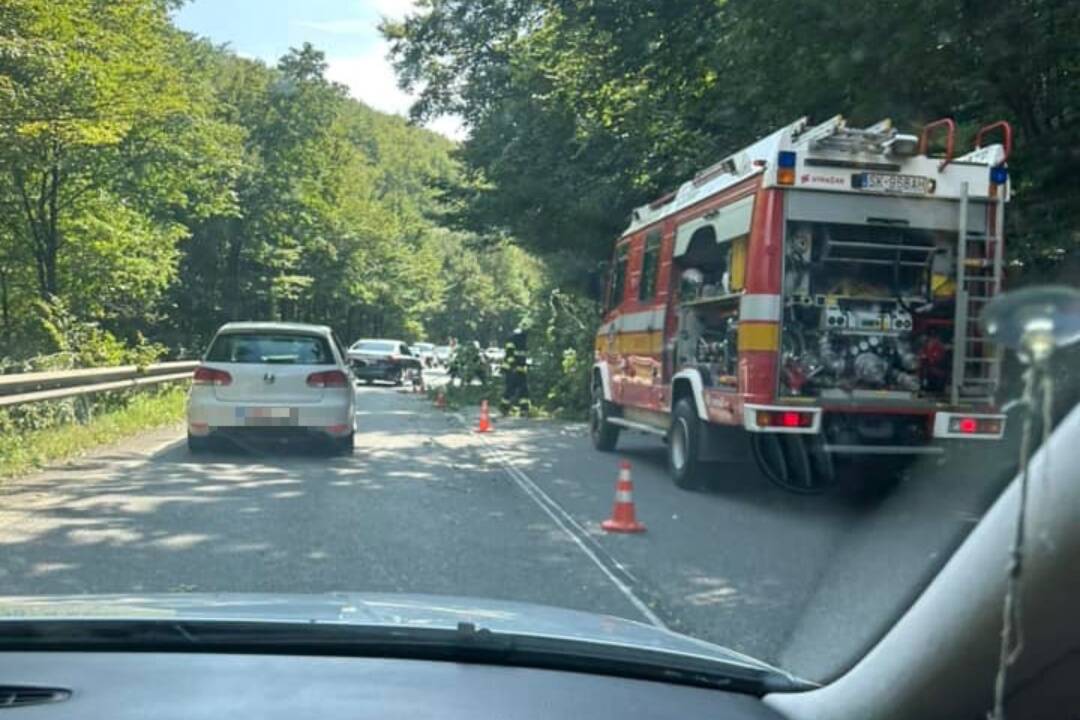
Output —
<point x="154" y="185"/>
<point x="580" y="110"/>
<point x="89" y="88"/>
<point x="106" y="148"/>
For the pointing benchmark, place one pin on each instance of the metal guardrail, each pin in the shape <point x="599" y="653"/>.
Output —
<point x="23" y="388"/>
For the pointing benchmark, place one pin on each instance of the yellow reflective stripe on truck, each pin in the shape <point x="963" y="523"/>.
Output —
<point x="631" y="343"/>
<point x="759" y="336"/>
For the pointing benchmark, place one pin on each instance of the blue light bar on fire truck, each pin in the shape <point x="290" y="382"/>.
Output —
<point x="999" y="175"/>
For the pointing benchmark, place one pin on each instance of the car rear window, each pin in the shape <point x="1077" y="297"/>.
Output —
<point x="279" y="349"/>
<point x="376" y="346"/>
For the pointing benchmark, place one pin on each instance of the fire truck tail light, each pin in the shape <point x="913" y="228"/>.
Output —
<point x="974" y="426"/>
<point x="785" y="168"/>
<point x="784" y="418"/>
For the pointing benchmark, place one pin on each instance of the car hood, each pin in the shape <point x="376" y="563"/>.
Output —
<point x="372" y="609"/>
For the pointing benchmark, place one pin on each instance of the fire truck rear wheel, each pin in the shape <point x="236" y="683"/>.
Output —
<point x="604" y="435"/>
<point x="684" y="444"/>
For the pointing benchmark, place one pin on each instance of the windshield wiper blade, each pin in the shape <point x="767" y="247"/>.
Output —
<point x="465" y="643"/>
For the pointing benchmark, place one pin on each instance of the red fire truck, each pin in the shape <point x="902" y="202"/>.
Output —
<point x="809" y="301"/>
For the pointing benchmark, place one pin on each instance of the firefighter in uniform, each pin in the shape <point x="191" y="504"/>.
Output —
<point x="515" y="379"/>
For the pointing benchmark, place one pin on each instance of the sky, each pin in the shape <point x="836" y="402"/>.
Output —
<point x="346" y="30"/>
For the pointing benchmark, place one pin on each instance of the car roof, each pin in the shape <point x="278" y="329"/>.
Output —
<point x="266" y="326"/>
<point x="400" y="342"/>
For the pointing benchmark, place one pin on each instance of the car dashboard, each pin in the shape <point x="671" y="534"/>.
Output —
<point x="119" y="685"/>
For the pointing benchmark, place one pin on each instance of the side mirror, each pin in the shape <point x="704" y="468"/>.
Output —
<point x="597" y="282"/>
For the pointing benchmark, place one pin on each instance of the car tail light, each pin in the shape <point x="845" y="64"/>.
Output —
<point x="211" y="376"/>
<point x="328" y="379"/>
<point x="974" y="425"/>
<point x="785" y="418"/>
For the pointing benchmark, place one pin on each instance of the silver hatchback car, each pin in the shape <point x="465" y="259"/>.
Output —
<point x="270" y="379"/>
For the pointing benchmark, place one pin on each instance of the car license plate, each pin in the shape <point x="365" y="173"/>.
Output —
<point x="903" y="184"/>
<point x="267" y="416"/>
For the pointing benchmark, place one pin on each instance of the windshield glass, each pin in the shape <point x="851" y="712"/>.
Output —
<point x="376" y="346"/>
<point x="696" y="294"/>
<point x="277" y="349"/>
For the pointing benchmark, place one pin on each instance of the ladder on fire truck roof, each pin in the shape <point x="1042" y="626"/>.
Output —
<point x="976" y="368"/>
<point x="834" y="134"/>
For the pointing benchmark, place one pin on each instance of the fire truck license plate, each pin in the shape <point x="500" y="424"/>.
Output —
<point x="906" y="184"/>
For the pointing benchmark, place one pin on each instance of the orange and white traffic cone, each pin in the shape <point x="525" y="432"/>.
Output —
<point x="484" y="425"/>
<point x="623" y="517"/>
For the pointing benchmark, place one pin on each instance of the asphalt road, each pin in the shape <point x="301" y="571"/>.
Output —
<point x="426" y="505"/>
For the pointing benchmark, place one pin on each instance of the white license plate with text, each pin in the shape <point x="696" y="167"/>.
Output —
<point x="267" y="415"/>
<point x="903" y="184"/>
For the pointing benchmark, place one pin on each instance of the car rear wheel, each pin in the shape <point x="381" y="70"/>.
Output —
<point x="343" y="445"/>
<point x="197" y="445"/>
<point x="684" y="446"/>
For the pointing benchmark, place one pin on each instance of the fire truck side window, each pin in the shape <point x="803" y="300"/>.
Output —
<point x="618" y="277"/>
<point x="649" y="266"/>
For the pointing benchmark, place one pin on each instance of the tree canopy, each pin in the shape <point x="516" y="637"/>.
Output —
<point x="154" y="185"/>
<point x="580" y="110"/>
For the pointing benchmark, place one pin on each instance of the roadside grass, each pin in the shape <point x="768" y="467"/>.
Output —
<point x="24" y="451"/>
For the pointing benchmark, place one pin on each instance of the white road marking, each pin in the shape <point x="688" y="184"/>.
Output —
<point x="565" y="522"/>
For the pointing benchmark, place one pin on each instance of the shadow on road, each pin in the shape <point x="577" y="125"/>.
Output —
<point x="416" y="508"/>
<point x="420" y="506"/>
<point x="806" y="581"/>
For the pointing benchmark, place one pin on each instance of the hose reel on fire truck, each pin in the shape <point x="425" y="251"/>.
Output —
<point x="797" y="463"/>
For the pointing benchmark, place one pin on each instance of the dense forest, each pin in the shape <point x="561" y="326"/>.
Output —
<point x="610" y="103"/>
<point x="153" y="186"/>
<point x="580" y="110"/>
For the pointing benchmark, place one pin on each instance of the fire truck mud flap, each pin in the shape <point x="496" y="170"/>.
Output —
<point x="725" y="445"/>
<point x="797" y="463"/>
